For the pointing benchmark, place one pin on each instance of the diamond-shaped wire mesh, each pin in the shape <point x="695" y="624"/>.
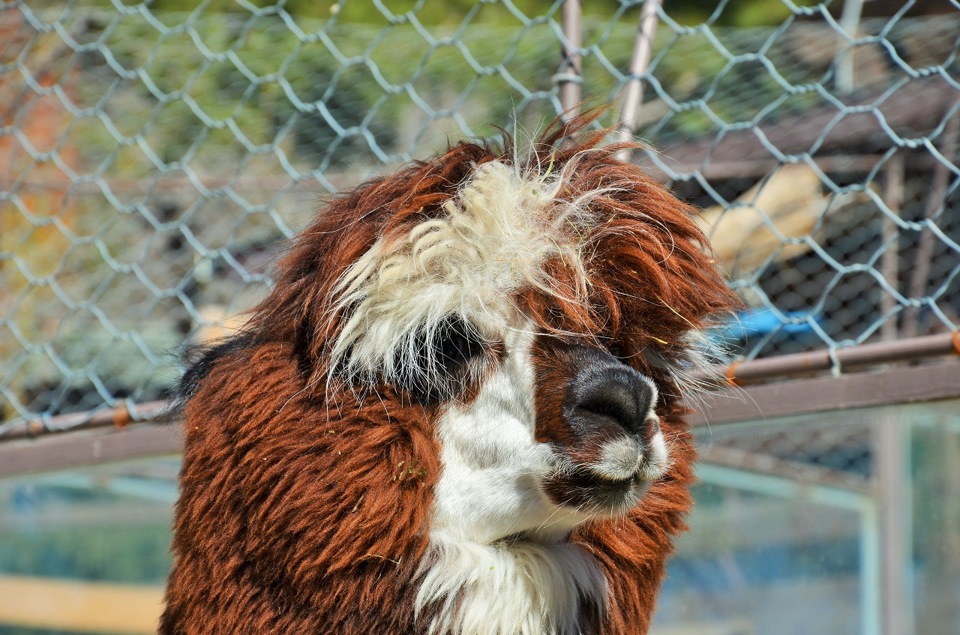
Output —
<point x="152" y="163"/>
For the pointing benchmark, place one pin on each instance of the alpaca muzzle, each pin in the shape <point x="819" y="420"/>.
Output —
<point x="605" y="430"/>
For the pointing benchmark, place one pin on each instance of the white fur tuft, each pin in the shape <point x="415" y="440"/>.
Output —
<point x="620" y="459"/>
<point x="492" y="240"/>
<point x="493" y="467"/>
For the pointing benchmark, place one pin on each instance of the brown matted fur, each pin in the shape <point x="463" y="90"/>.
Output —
<point x="305" y="502"/>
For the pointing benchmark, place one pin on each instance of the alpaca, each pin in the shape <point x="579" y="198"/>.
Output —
<point x="458" y="411"/>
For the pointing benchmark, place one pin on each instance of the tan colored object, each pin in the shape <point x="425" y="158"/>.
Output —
<point x="77" y="605"/>
<point x="770" y="219"/>
<point x="216" y="324"/>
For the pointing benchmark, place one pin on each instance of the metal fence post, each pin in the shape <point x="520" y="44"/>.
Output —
<point x="633" y="91"/>
<point x="892" y="474"/>
<point x="569" y="78"/>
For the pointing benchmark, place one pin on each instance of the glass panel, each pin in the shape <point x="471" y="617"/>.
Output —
<point x="755" y="563"/>
<point x="935" y="470"/>
<point x="842" y="522"/>
<point x="87" y="550"/>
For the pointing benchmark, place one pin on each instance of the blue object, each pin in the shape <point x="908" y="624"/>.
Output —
<point x="765" y="321"/>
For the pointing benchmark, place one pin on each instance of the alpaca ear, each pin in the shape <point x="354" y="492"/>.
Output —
<point x="199" y="361"/>
<point x="297" y="312"/>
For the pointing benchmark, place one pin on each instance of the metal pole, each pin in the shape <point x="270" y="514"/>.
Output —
<point x="890" y="260"/>
<point x="892" y="480"/>
<point x="118" y="417"/>
<point x="633" y="91"/>
<point x="570" y="78"/>
<point x="871" y="555"/>
<point x="846" y="66"/>
<point x="847" y="358"/>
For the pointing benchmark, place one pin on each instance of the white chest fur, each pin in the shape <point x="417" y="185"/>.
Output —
<point x="520" y="588"/>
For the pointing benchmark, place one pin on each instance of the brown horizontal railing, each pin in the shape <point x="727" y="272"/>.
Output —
<point x="95" y="441"/>
<point x="118" y="417"/>
<point x="840" y="360"/>
<point x="823" y="394"/>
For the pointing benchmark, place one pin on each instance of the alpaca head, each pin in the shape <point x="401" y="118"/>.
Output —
<point x="541" y="426"/>
<point x="537" y="314"/>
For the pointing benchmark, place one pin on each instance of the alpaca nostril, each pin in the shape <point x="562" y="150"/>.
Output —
<point x="620" y="394"/>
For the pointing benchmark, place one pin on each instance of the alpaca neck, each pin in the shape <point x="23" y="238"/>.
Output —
<point x="511" y="587"/>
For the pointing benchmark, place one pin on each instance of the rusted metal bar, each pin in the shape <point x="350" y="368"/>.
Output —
<point x="898" y="385"/>
<point x="118" y="417"/>
<point x="735" y="374"/>
<point x="841" y="360"/>
<point x="87" y="447"/>
<point x="570" y="76"/>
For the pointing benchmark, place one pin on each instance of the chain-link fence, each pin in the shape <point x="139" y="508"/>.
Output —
<point x="152" y="162"/>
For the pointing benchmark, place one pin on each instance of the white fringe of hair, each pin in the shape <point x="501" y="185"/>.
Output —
<point x="492" y="241"/>
<point x="521" y="588"/>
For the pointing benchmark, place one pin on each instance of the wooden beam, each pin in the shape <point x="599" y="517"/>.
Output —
<point x="896" y="385"/>
<point x="88" y="447"/>
<point x="77" y="605"/>
<point x="800" y="473"/>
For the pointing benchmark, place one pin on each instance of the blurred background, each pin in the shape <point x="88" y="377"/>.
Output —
<point x="154" y="157"/>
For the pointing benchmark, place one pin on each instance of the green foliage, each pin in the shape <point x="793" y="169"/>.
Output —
<point x="740" y="13"/>
<point x="336" y="88"/>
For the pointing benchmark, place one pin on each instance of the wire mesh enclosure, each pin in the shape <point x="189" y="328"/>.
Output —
<point x="152" y="162"/>
<point x="155" y="157"/>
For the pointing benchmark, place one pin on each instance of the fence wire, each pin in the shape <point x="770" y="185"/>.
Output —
<point x="153" y="162"/>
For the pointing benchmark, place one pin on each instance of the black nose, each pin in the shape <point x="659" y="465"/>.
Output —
<point x="612" y="390"/>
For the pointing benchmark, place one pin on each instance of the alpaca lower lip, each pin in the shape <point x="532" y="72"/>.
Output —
<point x="588" y="490"/>
<point x="590" y="479"/>
<point x="622" y="482"/>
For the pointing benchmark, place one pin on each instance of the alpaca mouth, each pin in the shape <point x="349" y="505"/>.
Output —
<point x="589" y="479"/>
<point x="628" y="481"/>
<point x="588" y="490"/>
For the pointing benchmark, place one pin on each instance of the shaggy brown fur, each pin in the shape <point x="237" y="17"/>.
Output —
<point x="305" y="503"/>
